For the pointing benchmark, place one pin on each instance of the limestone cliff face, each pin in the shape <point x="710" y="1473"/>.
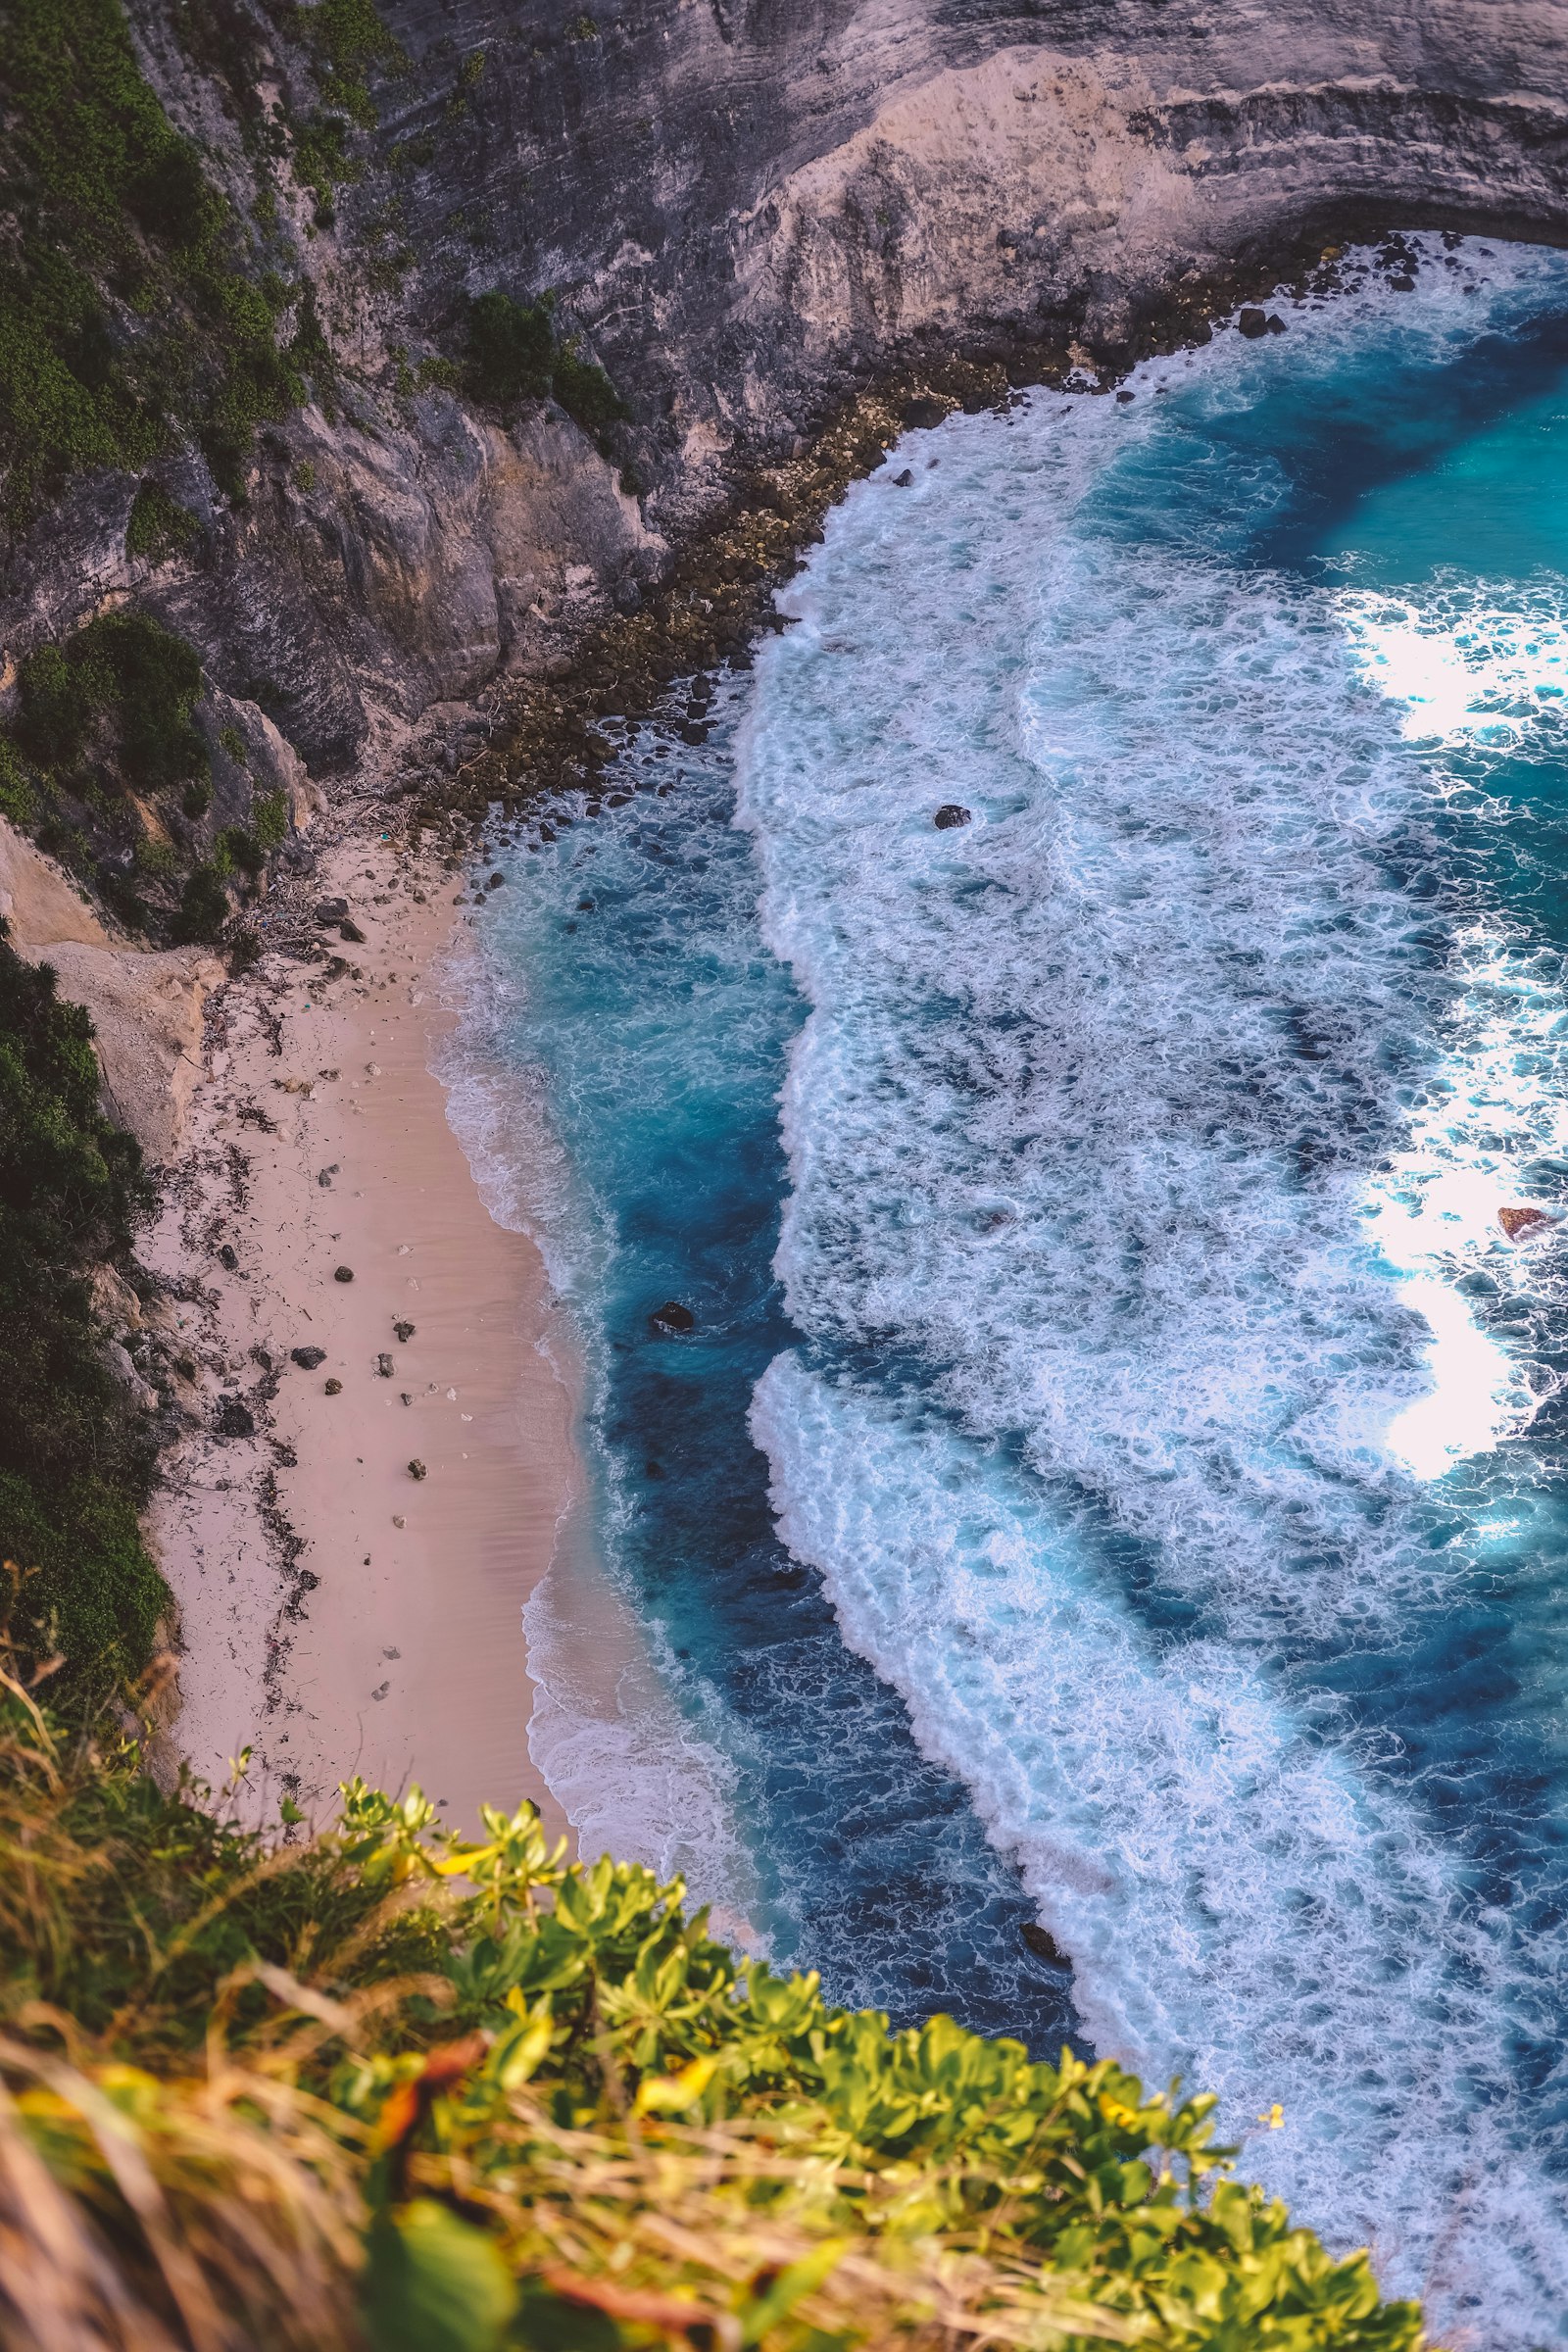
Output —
<point x="742" y="206"/>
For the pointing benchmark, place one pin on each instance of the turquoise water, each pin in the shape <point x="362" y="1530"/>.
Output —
<point x="1116" y="1477"/>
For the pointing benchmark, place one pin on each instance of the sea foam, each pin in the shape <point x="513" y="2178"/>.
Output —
<point x="1166" y="1370"/>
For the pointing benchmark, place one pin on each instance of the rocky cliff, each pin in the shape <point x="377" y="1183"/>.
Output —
<point x="743" y="209"/>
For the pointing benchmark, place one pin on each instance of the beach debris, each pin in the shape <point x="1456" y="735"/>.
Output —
<point x="324" y="1176"/>
<point x="331" y="910"/>
<point x="407" y="1399"/>
<point x="334" y="1388"/>
<point x="234" y="1418"/>
<point x="391" y="1653"/>
<point x="292" y="1086"/>
<point x="227" y="1258"/>
<point x="949" y="814"/>
<point x="373" y="1069"/>
<point x="398" y="1519"/>
<point x="416" y="1469"/>
<point x="403" y="1332"/>
<point x="343" y="1274"/>
<point x="307" y="1358"/>
<point x="381" y="1692"/>
<point x="352" y="933"/>
<point x="384" y="1365"/>
<point x="1524" y="1219"/>
<point x="672" y="1316"/>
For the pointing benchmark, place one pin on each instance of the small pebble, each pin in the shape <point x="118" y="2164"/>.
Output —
<point x="334" y="1388"/>
<point x="416" y="1469"/>
<point x="398" y="1519"/>
<point x="405" y="1332"/>
<point x="383" y="1367"/>
<point x="343" y="1274"/>
<point x="308" y="1358"/>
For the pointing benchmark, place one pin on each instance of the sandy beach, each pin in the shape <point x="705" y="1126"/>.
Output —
<point x="339" y="1613"/>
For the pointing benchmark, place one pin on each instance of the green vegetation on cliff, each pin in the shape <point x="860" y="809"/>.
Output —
<point x="130" y="303"/>
<point x="389" y="2086"/>
<point x="514" y="353"/>
<point x="74" y="1456"/>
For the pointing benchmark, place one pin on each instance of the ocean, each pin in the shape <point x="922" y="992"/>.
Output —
<point x="1100" y="1542"/>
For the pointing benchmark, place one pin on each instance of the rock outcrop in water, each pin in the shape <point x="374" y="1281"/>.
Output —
<point x="744" y="211"/>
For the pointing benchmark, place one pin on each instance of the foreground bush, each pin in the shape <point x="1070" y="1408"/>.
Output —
<point x="383" y="2087"/>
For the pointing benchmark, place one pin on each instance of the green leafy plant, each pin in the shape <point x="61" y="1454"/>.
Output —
<point x="121" y="689"/>
<point x="75" y="1454"/>
<point x="159" y="528"/>
<point x="454" y="2094"/>
<point x="516" y="354"/>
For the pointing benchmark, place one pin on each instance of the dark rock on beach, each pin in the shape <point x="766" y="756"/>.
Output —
<point x="234" y="1418"/>
<point x="307" y="1358"/>
<point x="332" y="910"/>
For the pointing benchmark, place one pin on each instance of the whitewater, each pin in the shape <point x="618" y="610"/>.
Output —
<point x="1116" y="1479"/>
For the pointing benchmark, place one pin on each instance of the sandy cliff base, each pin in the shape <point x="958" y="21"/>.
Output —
<point x="338" y="1613"/>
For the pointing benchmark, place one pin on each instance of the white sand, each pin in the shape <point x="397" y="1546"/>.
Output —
<point x="405" y="1658"/>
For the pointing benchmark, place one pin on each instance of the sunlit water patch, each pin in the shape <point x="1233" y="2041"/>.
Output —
<point x="1132" y="1225"/>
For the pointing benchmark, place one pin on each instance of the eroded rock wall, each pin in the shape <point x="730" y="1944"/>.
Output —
<point x="744" y="207"/>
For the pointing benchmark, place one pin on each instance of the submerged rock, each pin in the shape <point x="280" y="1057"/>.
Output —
<point x="672" y="1316"/>
<point x="948" y="815"/>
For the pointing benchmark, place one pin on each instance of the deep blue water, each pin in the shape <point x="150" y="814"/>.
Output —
<point x="1115" y="1479"/>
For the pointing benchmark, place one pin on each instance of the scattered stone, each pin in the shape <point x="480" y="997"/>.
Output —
<point x="694" y="731"/>
<point x="1276" y="325"/>
<point x="383" y="1367"/>
<point x="373" y="1069"/>
<point x="1252" y="323"/>
<point x="1404" y="284"/>
<point x="1044" y="1945"/>
<point x="672" y="1316"/>
<point x="903" y="481"/>
<point x="349" y="930"/>
<point x="398" y="1519"/>
<point x="334" y="1388"/>
<point x="382" y="1691"/>
<point x="925" y="409"/>
<point x="234" y="1418"/>
<point x="227" y="1258"/>
<point x="332" y="910"/>
<point x="416" y="1469"/>
<point x="307" y="1358"/>
<point x="343" y="1274"/>
<point x="324" y="1176"/>
<point x="948" y="815"/>
<point x="405" y="1332"/>
<point x="495" y="882"/>
<point x="1124" y="396"/>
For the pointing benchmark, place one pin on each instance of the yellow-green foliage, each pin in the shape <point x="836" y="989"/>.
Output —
<point x="457" y="2097"/>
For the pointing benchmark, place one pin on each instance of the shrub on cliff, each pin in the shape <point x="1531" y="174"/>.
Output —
<point x="389" y="2084"/>
<point x="74" y="1461"/>
<point x="514" y="354"/>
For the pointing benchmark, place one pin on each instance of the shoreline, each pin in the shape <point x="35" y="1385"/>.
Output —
<point x="338" y="1614"/>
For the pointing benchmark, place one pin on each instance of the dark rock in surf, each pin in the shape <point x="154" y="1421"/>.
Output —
<point x="1252" y="323"/>
<point x="948" y="815"/>
<point x="902" y="482"/>
<point x="1276" y="325"/>
<point x="672" y="1316"/>
<point x="1044" y="1945"/>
